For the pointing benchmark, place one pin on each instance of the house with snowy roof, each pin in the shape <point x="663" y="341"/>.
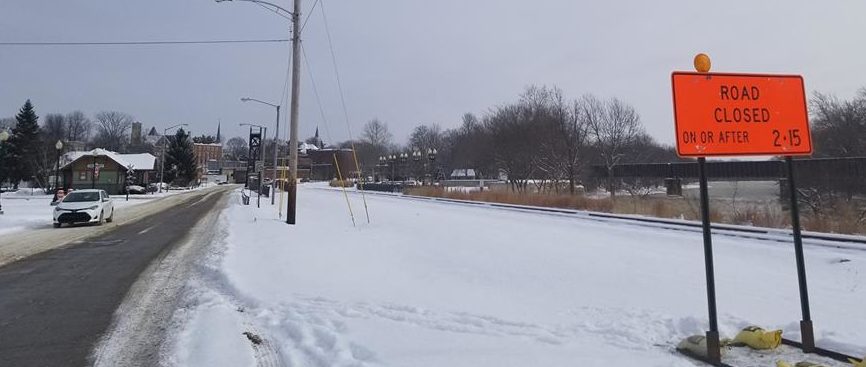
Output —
<point x="106" y="170"/>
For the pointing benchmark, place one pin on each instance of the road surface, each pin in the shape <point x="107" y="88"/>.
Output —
<point x="55" y="305"/>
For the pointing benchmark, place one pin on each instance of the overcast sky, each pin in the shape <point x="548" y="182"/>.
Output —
<point x="409" y="61"/>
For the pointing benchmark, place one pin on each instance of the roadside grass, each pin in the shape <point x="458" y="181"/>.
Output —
<point x="847" y="218"/>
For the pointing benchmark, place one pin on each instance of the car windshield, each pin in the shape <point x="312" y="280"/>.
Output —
<point x="77" y="197"/>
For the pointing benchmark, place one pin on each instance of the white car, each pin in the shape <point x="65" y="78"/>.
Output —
<point x="84" y="206"/>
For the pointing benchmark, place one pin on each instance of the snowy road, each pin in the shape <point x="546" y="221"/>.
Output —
<point x="25" y="228"/>
<point x="54" y="306"/>
<point x="429" y="284"/>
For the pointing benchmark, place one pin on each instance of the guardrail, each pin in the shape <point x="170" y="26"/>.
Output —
<point x="382" y="187"/>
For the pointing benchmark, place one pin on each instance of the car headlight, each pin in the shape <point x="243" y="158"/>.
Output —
<point x="91" y="207"/>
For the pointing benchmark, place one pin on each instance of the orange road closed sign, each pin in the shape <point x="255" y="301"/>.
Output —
<point x="720" y="114"/>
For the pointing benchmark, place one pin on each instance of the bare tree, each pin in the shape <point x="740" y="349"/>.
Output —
<point x="513" y="142"/>
<point x="613" y="125"/>
<point x="112" y="130"/>
<point x="468" y="147"/>
<point x="54" y="128"/>
<point x="839" y="127"/>
<point x="376" y="133"/>
<point x="425" y="137"/>
<point x="569" y="136"/>
<point x="78" y="126"/>
<point x="236" y="148"/>
<point x="7" y="123"/>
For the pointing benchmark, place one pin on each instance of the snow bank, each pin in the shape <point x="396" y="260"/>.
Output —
<point x="430" y="284"/>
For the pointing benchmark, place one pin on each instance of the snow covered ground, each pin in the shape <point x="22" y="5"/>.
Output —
<point x="433" y="284"/>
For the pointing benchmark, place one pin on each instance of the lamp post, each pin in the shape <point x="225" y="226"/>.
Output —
<point x="93" y="169"/>
<point x="164" y="151"/>
<point x="392" y="160"/>
<point x="276" y="141"/>
<point x="3" y="137"/>
<point x="431" y="156"/>
<point x="59" y="147"/>
<point x="382" y="164"/>
<point x="416" y="156"/>
<point x="294" y="107"/>
<point x="404" y="157"/>
<point x="264" y="131"/>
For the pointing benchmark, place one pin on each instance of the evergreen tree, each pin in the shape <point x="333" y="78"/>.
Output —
<point x="6" y="162"/>
<point x="25" y="146"/>
<point x="180" y="164"/>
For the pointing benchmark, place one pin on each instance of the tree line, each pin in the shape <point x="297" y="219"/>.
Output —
<point x="29" y="154"/>
<point x="543" y="139"/>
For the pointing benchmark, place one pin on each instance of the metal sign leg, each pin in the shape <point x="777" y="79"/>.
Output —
<point x="806" y="331"/>
<point x="713" y="348"/>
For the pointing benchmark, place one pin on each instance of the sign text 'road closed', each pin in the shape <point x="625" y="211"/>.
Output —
<point x="719" y="114"/>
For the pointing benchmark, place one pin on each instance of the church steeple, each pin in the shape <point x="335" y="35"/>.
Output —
<point x="319" y="142"/>
<point x="218" y="139"/>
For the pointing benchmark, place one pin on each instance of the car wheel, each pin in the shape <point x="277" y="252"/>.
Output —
<point x="57" y="225"/>
<point x="101" y="218"/>
<point x="110" y="217"/>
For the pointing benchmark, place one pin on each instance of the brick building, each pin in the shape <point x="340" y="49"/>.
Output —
<point x="208" y="156"/>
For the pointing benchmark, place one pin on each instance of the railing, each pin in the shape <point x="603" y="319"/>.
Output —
<point x="383" y="187"/>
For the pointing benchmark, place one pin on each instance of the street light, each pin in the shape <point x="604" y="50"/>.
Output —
<point x="403" y="158"/>
<point x="264" y="131"/>
<point x="59" y="147"/>
<point x="261" y="2"/>
<point x="94" y="168"/>
<point x="276" y="141"/>
<point x="431" y="155"/>
<point x="164" y="151"/>
<point x="392" y="159"/>
<point x="381" y="165"/>
<point x="4" y="135"/>
<point x="416" y="156"/>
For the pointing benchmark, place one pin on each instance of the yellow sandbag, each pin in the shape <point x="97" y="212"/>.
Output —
<point x="799" y="364"/>
<point x="696" y="345"/>
<point x="759" y="338"/>
<point x="856" y="363"/>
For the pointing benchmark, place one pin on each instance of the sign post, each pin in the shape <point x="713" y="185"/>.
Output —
<point x="130" y="179"/>
<point x="807" y="334"/>
<point x="714" y="352"/>
<point x="726" y="114"/>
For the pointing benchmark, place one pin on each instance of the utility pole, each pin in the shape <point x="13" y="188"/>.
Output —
<point x="293" y="130"/>
<point x="264" y="131"/>
<point x="276" y="152"/>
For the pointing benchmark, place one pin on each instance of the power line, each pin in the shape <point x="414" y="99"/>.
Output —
<point x="312" y="8"/>
<point x="336" y="70"/>
<point x="146" y="43"/>
<point x="328" y="132"/>
<point x="345" y="110"/>
<point x="316" y="94"/>
<point x="284" y="98"/>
